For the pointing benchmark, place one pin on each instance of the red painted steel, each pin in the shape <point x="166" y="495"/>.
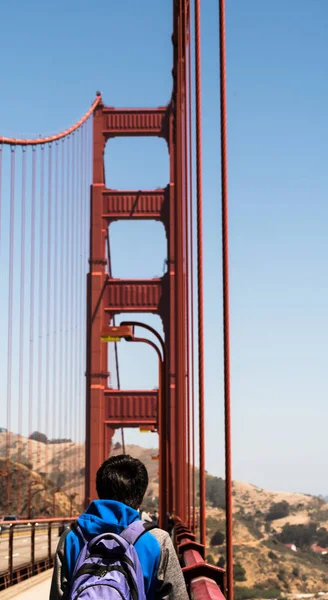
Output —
<point x="192" y="330"/>
<point x="162" y="421"/>
<point x="203" y="588"/>
<point x="134" y="205"/>
<point x="226" y="318"/>
<point x="131" y="408"/>
<point x="134" y="122"/>
<point x="179" y="99"/>
<point x="204" y="581"/>
<point x="135" y="295"/>
<point x="165" y="296"/>
<point x="200" y="276"/>
<point x="52" y="138"/>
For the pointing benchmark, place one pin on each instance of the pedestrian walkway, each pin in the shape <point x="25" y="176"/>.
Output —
<point x="34" y="588"/>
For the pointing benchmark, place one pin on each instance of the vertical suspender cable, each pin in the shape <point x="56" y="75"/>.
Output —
<point x="31" y="315"/>
<point x="76" y="306"/>
<point x="21" y="324"/>
<point x="10" y="318"/>
<point x="73" y="302"/>
<point x="71" y="235"/>
<point x="40" y="302"/>
<point x="48" y="306"/>
<point x="55" y="314"/>
<point x="187" y="266"/>
<point x="81" y="298"/>
<point x="85" y="196"/>
<point x="200" y="277"/>
<point x="192" y="316"/>
<point x="226" y="320"/>
<point x="61" y="394"/>
<point x="0" y="195"/>
<point x="66" y="280"/>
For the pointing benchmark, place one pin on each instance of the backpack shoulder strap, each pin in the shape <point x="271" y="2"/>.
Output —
<point x="135" y="530"/>
<point x="76" y="528"/>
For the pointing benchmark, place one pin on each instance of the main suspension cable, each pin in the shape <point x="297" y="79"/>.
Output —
<point x="52" y="138"/>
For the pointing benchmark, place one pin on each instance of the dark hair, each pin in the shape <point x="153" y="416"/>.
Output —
<point x="122" y="478"/>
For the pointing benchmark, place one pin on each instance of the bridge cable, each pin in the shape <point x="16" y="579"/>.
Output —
<point x="48" y="307"/>
<point x="40" y="300"/>
<point x="187" y="267"/>
<point x="192" y="315"/>
<point x="0" y="196"/>
<point x="225" y="274"/>
<point x="31" y="319"/>
<point x="41" y="141"/>
<point x="200" y="276"/>
<point x="54" y="332"/>
<point x="21" y="328"/>
<point x="10" y="321"/>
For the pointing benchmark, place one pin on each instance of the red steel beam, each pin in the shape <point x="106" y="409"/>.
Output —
<point x="119" y="122"/>
<point x="132" y="408"/>
<point x="134" y="204"/>
<point x="134" y="295"/>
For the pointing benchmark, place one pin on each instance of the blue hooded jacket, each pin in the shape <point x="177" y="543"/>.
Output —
<point x="108" y="515"/>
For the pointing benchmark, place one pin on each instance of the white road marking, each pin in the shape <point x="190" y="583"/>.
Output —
<point x="13" y="555"/>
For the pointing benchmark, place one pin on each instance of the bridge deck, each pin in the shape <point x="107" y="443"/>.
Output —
<point x="34" y="588"/>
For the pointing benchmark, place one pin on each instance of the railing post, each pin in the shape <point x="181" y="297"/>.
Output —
<point x="33" y="548"/>
<point x="10" y="554"/>
<point x="49" y="542"/>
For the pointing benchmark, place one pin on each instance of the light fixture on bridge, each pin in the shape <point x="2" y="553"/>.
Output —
<point x="116" y="333"/>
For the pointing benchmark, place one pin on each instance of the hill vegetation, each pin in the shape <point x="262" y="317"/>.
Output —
<point x="267" y="525"/>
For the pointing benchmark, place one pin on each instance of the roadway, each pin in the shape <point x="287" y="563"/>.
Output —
<point x="34" y="588"/>
<point x="22" y="547"/>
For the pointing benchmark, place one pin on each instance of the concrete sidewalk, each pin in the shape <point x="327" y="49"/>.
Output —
<point x="34" y="588"/>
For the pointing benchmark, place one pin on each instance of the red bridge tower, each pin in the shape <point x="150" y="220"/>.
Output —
<point x="109" y="409"/>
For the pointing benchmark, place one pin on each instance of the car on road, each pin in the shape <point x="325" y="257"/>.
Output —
<point x="7" y="518"/>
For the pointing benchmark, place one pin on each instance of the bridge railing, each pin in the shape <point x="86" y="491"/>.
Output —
<point x="30" y="547"/>
<point x="204" y="581"/>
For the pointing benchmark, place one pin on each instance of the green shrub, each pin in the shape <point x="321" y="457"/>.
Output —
<point x="217" y="539"/>
<point x="215" y="491"/>
<point x="300" y="535"/>
<point x="282" y="574"/>
<point x="246" y="593"/>
<point x="278" y="510"/>
<point x="210" y="560"/>
<point x="239" y="573"/>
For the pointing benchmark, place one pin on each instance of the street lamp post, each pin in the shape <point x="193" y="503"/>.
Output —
<point x="125" y="331"/>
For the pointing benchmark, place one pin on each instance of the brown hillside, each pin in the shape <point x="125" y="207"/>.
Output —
<point x="269" y="564"/>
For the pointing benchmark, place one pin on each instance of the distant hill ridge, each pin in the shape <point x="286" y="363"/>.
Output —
<point x="266" y="523"/>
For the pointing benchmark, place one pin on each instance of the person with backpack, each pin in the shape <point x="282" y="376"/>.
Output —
<point x="109" y="553"/>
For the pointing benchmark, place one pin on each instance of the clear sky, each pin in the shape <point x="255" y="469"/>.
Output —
<point x="54" y="56"/>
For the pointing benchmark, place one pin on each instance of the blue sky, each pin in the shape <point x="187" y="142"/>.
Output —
<point x="53" y="59"/>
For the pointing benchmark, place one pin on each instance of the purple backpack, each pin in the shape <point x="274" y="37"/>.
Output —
<point x="108" y="566"/>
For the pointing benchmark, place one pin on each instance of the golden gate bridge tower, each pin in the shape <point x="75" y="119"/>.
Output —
<point x="63" y="232"/>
